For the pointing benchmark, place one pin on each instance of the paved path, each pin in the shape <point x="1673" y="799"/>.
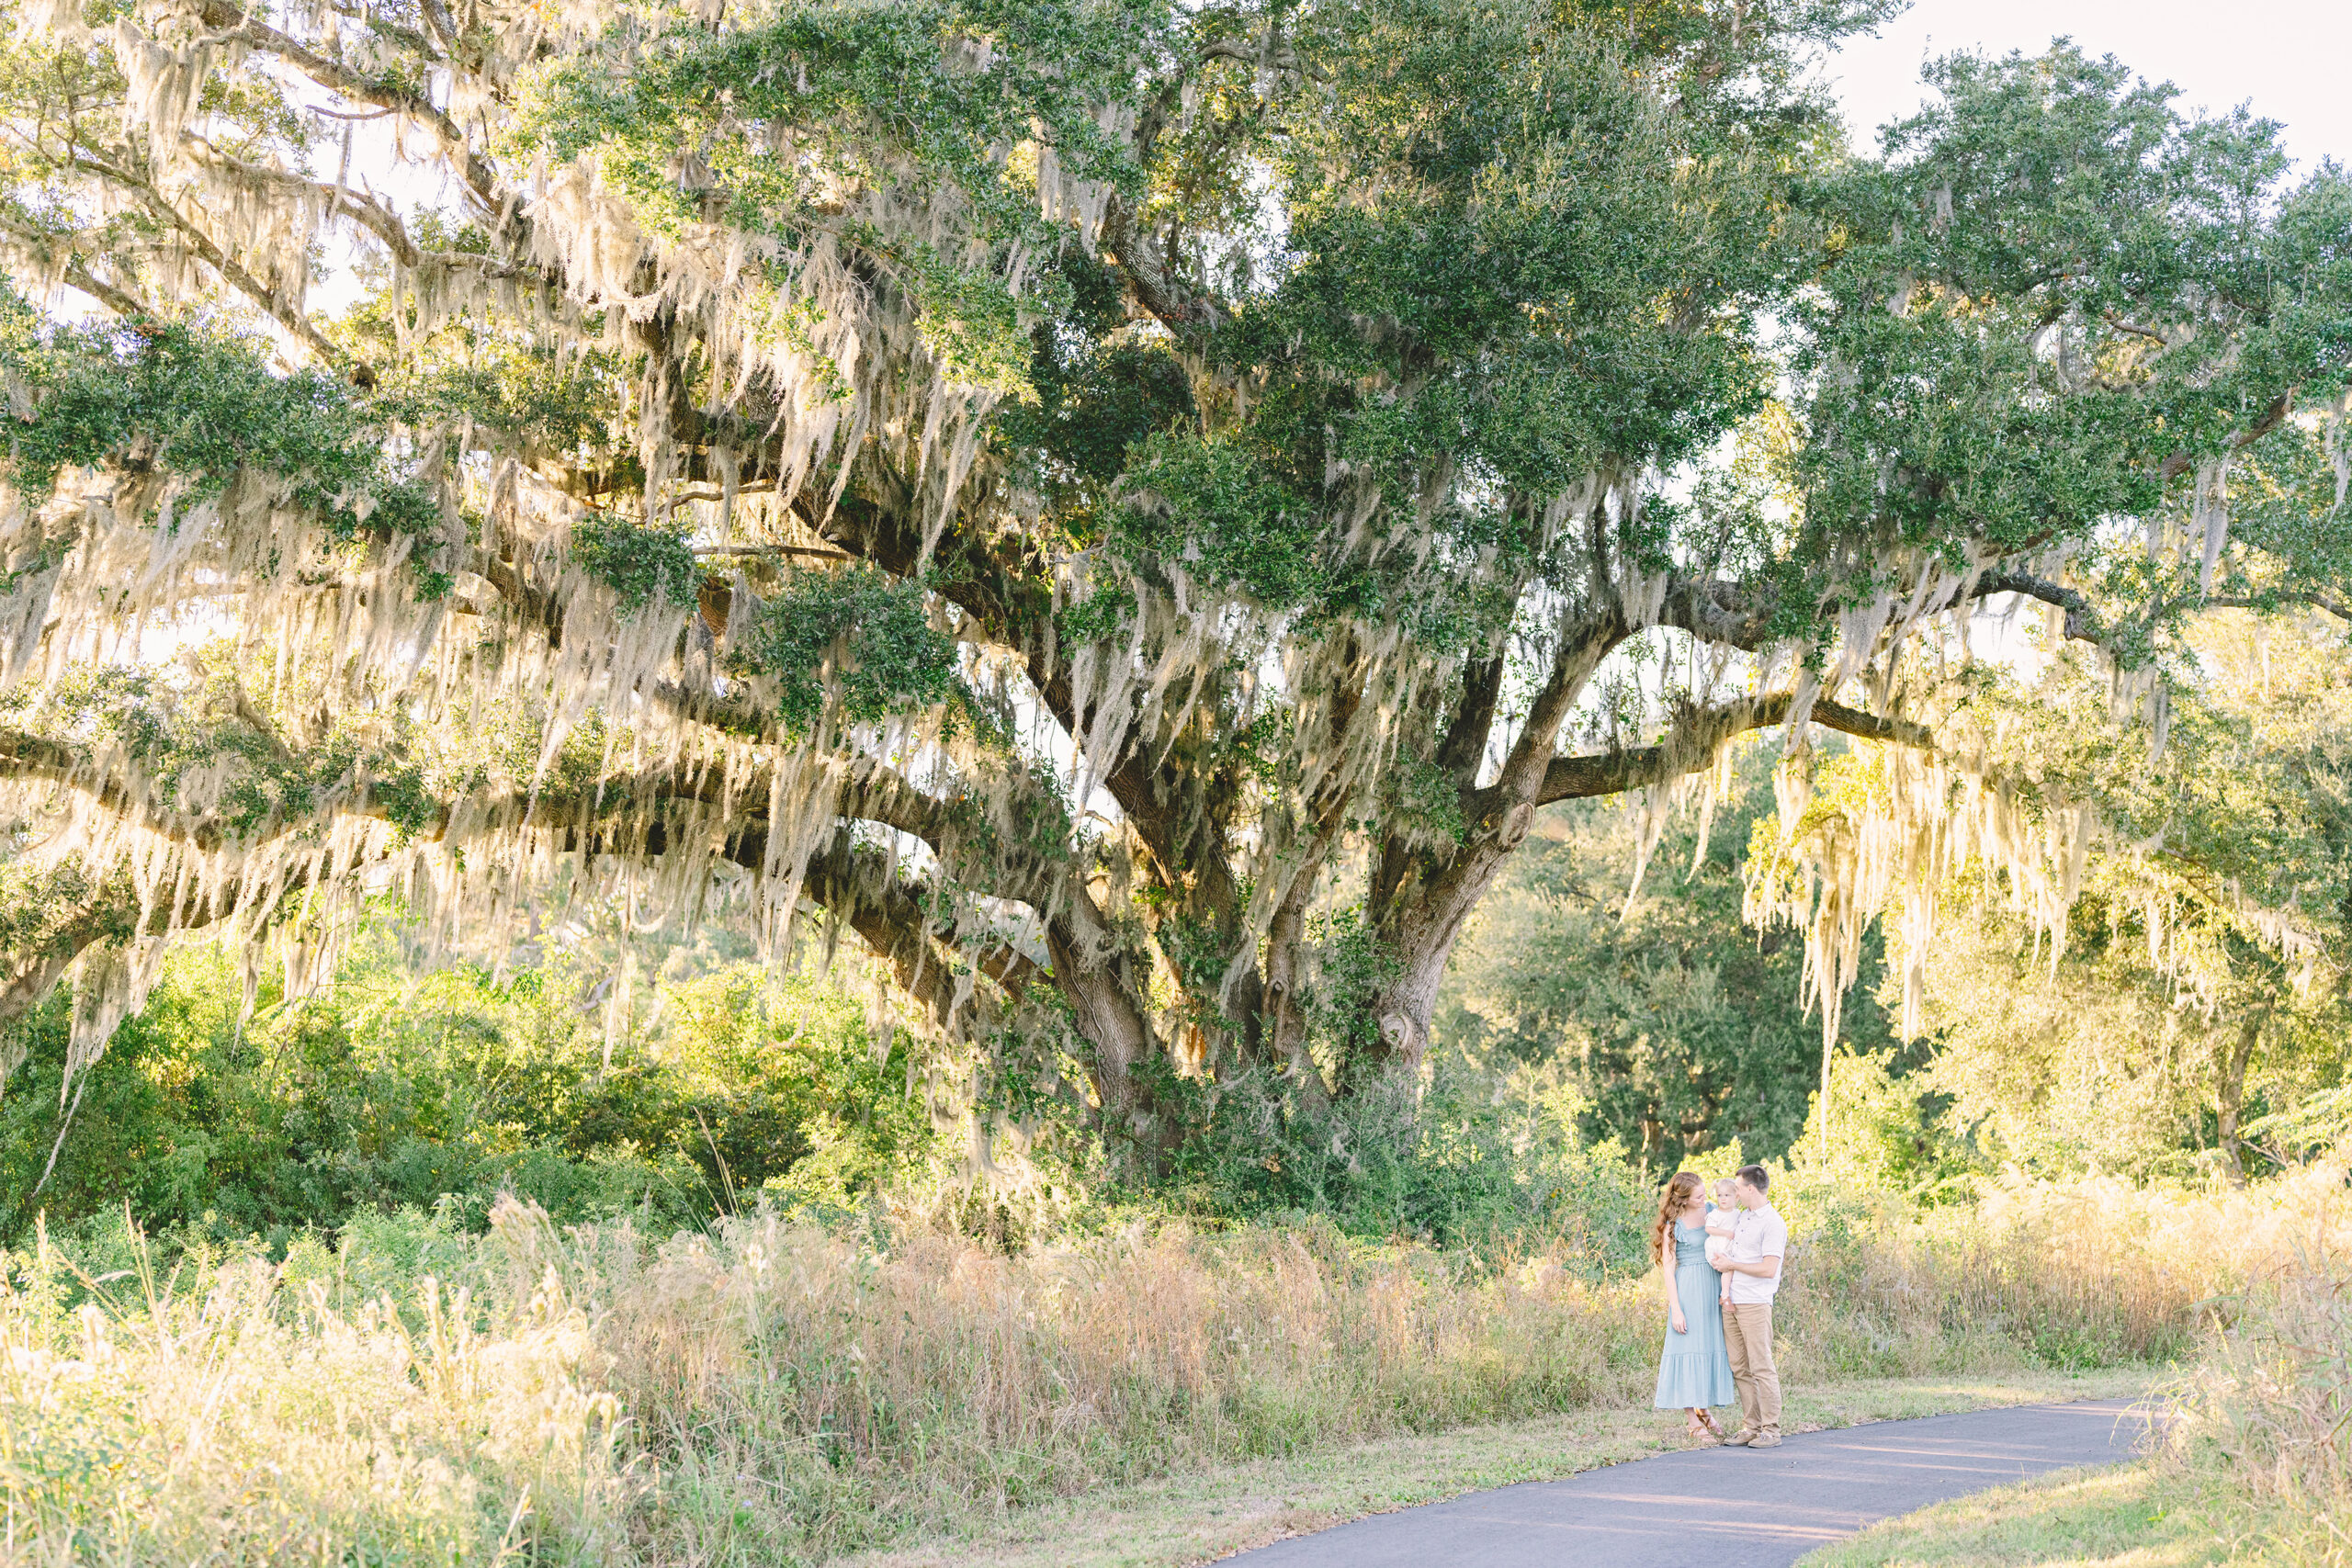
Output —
<point x="1724" y="1508"/>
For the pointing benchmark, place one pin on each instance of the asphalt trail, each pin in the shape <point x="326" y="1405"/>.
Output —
<point x="1725" y="1507"/>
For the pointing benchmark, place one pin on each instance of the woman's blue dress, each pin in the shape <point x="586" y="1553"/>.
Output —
<point x="1695" y="1371"/>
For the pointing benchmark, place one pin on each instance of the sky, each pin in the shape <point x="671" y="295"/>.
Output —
<point x="2285" y="59"/>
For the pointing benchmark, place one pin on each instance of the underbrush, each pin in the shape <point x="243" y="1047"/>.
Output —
<point x="447" y="1089"/>
<point x="759" y="1391"/>
<point x="767" y="1391"/>
<point x="2252" y="1462"/>
<point x="2094" y="1271"/>
<point x="2261" y="1434"/>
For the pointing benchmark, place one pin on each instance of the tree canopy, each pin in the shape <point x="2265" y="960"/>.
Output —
<point x="1129" y="507"/>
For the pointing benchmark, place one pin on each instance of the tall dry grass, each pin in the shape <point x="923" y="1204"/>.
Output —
<point x="2263" y="1426"/>
<point x="763" y="1393"/>
<point x="226" y="1423"/>
<point x="879" y="1392"/>
<point x="769" y="1392"/>
<point x="2089" y="1272"/>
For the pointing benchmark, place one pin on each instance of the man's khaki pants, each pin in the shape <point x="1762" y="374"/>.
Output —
<point x="1747" y="1335"/>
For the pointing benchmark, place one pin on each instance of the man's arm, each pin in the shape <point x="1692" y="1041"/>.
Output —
<point x="1765" y="1268"/>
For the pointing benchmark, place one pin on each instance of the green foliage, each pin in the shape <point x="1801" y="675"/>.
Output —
<point x="43" y="913"/>
<point x="2049" y="301"/>
<point x="1677" y="1025"/>
<point x="544" y="404"/>
<point x="1488" y="1160"/>
<point x="2197" y="988"/>
<point x="903" y="102"/>
<point x="233" y="756"/>
<point x="1482" y="221"/>
<point x="860" y="638"/>
<point x="642" y="563"/>
<point x="1208" y="503"/>
<point x="202" y="405"/>
<point x="1342" y="1028"/>
<point x="436" y="1094"/>
<point x="1101" y="392"/>
<point x="1891" y="1135"/>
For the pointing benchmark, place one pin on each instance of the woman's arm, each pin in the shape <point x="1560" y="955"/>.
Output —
<point x="1673" y="1297"/>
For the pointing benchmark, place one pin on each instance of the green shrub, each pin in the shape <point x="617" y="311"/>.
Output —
<point x="437" y="1094"/>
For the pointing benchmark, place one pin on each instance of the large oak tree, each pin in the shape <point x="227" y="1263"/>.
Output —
<point x="1128" y="507"/>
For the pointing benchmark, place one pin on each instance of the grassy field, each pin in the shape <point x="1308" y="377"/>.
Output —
<point x="766" y="1392"/>
<point x="1198" y="1517"/>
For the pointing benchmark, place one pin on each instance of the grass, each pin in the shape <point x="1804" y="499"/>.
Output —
<point x="1198" y="1517"/>
<point x="774" y="1393"/>
<point x="2146" y="1515"/>
<point x="2255" y="1471"/>
<point x="2130" y="1516"/>
<point x="770" y="1392"/>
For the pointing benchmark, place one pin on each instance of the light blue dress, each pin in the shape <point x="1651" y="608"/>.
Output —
<point x="1695" y="1371"/>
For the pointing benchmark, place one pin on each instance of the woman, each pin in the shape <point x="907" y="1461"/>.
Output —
<point x="1695" y="1371"/>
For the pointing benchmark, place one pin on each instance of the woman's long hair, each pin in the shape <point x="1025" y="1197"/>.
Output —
<point x="1671" y="1202"/>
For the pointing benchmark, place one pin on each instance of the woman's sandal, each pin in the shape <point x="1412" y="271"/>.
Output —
<point x="1715" y="1427"/>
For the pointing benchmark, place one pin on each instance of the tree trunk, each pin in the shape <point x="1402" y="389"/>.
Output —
<point x="1419" y="896"/>
<point x="1424" y="934"/>
<point x="1108" y="1018"/>
<point x="2231" y="1096"/>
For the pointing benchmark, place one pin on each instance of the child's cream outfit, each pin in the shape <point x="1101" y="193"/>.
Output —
<point x="1720" y="1223"/>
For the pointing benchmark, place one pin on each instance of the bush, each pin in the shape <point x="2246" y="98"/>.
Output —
<point x="444" y="1092"/>
<point x="1487" y="1160"/>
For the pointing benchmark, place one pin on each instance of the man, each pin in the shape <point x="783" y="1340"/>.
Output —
<point x="1751" y="1273"/>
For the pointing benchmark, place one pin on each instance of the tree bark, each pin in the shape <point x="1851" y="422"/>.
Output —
<point x="1420" y="897"/>
<point x="2232" y="1092"/>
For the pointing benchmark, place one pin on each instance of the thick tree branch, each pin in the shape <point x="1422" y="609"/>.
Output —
<point x="1522" y="777"/>
<point x="1735" y="614"/>
<point x="1730" y="614"/>
<point x="2273" y="415"/>
<point x="895" y="921"/>
<point x="889" y="916"/>
<point x="1014" y="609"/>
<point x="1695" y="739"/>
<point x="1464" y="746"/>
<point x="1192" y="315"/>
<point x="103" y="919"/>
<point x="2083" y="623"/>
<point x="372" y="215"/>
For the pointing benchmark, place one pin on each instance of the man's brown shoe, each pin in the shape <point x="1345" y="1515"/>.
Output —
<point x="1738" y="1441"/>
<point x="1764" y="1440"/>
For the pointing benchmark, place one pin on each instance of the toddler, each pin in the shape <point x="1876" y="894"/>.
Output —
<point x="1723" y="1219"/>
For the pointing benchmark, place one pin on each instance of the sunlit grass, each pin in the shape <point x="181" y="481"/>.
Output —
<point x="2255" y="1463"/>
<point x="771" y="1392"/>
<point x="2126" y="1517"/>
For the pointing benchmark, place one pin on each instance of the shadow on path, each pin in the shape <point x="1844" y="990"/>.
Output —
<point x="1726" y="1507"/>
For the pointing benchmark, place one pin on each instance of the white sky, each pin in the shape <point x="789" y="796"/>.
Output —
<point x="2285" y="59"/>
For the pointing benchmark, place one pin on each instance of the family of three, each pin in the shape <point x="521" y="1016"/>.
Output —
<point x="1722" y="1262"/>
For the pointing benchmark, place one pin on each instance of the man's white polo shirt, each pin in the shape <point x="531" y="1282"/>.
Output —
<point x="1761" y="1233"/>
